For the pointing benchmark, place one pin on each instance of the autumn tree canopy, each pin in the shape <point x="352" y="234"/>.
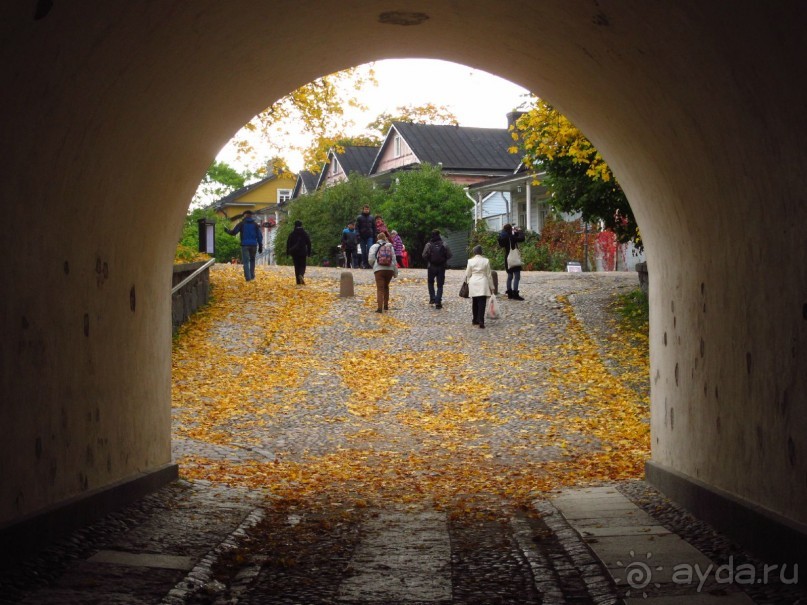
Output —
<point x="313" y="112"/>
<point x="577" y="177"/>
<point x="414" y="114"/>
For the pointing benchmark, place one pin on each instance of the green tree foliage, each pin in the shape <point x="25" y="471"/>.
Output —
<point x="219" y="180"/>
<point x="576" y="174"/>
<point x="419" y="201"/>
<point x="325" y="214"/>
<point x="422" y="200"/>
<point x="227" y="247"/>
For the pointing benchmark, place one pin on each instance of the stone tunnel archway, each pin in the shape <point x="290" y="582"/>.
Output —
<point x="113" y="112"/>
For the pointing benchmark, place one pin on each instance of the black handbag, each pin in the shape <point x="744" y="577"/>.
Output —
<point x="464" y="290"/>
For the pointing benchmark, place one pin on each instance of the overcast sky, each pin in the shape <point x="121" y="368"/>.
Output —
<point x="476" y="97"/>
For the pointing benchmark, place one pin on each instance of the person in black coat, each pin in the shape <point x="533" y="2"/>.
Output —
<point x="365" y="225"/>
<point x="509" y="237"/>
<point x="298" y="247"/>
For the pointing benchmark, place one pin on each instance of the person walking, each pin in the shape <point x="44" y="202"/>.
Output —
<point x="397" y="243"/>
<point x="509" y="238"/>
<point x="251" y="242"/>
<point x="298" y="247"/>
<point x="365" y="225"/>
<point x="436" y="253"/>
<point x="381" y="227"/>
<point x="350" y="241"/>
<point x="382" y="258"/>
<point x="480" y="285"/>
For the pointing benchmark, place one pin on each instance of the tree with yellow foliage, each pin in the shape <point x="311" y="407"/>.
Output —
<point x="577" y="176"/>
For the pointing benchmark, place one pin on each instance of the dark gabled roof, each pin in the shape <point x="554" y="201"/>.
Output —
<point x="306" y="179"/>
<point x="459" y="147"/>
<point x="357" y="159"/>
<point x="353" y="158"/>
<point x="231" y="197"/>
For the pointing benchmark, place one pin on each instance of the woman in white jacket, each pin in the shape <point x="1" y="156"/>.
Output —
<point x="480" y="284"/>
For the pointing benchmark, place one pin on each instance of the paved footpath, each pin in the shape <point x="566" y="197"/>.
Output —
<point x="197" y="542"/>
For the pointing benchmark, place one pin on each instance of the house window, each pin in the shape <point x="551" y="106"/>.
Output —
<point x="283" y="195"/>
<point x="334" y="166"/>
<point x="396" y="146"/>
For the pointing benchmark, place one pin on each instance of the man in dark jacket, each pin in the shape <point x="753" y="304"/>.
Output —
<point x="350" y="240"/>
<point x="436" y="253"/>
<point x="251" y="242"/>
<point x="509" y="238"/>
<point x="298" y="247"/>
<point x="365" y="225"/>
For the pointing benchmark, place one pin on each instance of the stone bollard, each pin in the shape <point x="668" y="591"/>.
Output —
<point x="644" y="280"/>
<point x="346" y="284"/>
<point x="495" y="283"/>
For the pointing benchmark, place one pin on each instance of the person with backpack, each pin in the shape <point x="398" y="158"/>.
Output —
<point x="350" y="242"/>
<point x="509" y="238"/>
<point x="436" y="253"/>
<point x="382" y="258"/>
<point x="298" y="247"/>
<point x="365" y="225"/>
<point x="251" y="242"/>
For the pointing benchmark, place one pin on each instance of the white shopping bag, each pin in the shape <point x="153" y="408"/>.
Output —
<point x="494" y="310"/>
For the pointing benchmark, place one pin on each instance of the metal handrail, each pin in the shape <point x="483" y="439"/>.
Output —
<point x="192" y="276"/>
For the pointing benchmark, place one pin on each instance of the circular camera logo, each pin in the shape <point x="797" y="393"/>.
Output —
<point x="638" y="574"/>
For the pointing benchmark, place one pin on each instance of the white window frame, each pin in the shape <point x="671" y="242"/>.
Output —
<point x="396" y="146"/>
<point x="334" y="166"/>
<point x="283" y="195"/>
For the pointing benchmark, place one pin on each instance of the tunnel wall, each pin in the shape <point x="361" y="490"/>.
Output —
<point x="117" y="110"/>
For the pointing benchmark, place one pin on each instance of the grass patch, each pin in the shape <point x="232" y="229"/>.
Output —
<point x="634" y="309"/>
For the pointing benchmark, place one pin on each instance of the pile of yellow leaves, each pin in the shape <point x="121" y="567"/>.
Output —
<point x="420" y="428"/>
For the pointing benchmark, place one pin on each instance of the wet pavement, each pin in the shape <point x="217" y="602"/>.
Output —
<point x="310" y="502"/>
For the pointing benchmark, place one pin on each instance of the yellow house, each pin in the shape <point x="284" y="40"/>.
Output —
<point x="266" y="194"/>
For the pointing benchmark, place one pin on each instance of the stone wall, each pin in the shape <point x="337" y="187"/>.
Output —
<point x="186" y="300"/>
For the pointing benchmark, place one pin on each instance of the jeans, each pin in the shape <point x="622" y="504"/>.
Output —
<point x="513" y="277"/>
<point x="366" y="244"/>
<point x="248" y="260"/>
<point x="382" y="279"/>
<point x="351" y="259"/>
<point x="437" y="274"/>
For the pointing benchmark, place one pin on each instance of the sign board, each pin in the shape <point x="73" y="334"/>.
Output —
<point x="207" y="236"/>
<point x="573" y="267"/>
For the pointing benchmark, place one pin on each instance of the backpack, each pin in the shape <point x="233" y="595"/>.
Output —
<point x="437" y="253"/>
<point x="384" y="255"/>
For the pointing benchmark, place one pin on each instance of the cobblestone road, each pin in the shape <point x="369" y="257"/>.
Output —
<point x="203" y="542"/>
